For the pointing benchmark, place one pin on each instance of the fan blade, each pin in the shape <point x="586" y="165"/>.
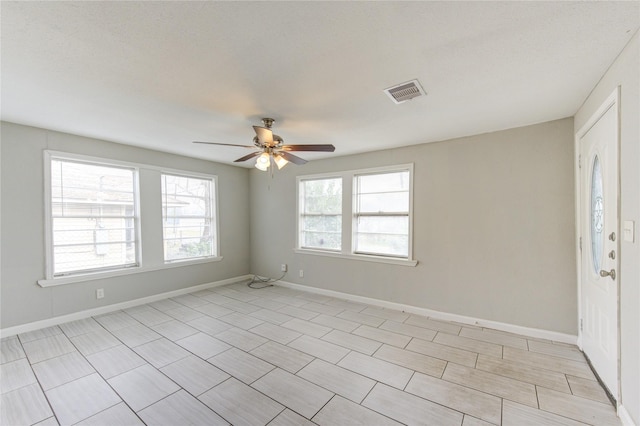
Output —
<point x="224" y="144"/>
<point x="319" y="147"/>
<point x="293" y="158"/>
<point x="265" y="136"/>
<point x="248" y="156"/>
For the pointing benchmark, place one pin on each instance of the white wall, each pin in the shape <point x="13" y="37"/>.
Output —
<point x="493" y="229"/>
<point x="625" y="72"/>
<point x="23" y="257"/>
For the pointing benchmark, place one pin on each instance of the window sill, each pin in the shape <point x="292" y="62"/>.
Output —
<point x="362" y="257"/>
<point x="121" y="272"/>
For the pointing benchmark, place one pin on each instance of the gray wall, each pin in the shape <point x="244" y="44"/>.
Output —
<point x="23" y="256"/>
<point x="493" y="228"/>
<point x="625" y="72"/>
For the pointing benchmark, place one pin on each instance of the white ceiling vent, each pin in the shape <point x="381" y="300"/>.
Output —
<point x="405" y="91"/>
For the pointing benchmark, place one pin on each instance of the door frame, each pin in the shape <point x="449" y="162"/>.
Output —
<point x="612" y="101"/>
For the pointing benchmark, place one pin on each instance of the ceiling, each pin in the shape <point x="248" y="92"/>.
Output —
<point x="160" y="75"/>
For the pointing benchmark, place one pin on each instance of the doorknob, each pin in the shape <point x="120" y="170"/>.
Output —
<point x="611" y="274"/>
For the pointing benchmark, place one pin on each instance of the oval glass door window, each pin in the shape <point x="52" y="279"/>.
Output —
<point x="597" y="215"/>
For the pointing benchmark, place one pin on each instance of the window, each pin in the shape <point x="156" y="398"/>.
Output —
<point x="189" y="230"/>
<point x="94" y="220"/>
<point x="379" y="226"/>
<point x="321" y="213"/>
<point x="381" y="214"/>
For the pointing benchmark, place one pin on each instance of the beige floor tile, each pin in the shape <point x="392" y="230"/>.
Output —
<point x="142" y="386"/>
<point x="589" y="389"/>
<point x="319" y="348"/>
<point x="412" y="360"/>
<point x="24" y="406"/>
<point x="241" y="339"/>
<point x="16" y="374"/>
<point x="242" y="307"/>
<point x="514" y="414"/>
<point x="377" y="369"/>
<point x="351" y="341"/>
<point x="39" y="334"/>
<point x="194" y="375"/>
<point x="298" y="312"/>
<point x="135" y="335"/>
<point x="409" y="330"/>
<point x="577" y="408"/>
<point x="460" y="398"/>
<point x="443" y="352"/>
<point x="50" y="347"/>
<point x="473" y="421"/>
<point x="360" y="318"/>
<point x="51" y="421"/>
<point x="97" y="341"/>
<point x="165" y="305"/>
<point x="269" y="304"/>
<point x="213" y="310"/>
<point x="161" y="352"/>
<point x="82" y="398"/>
<point x="469" y="344"/>
<point x="388" y="314"/>
<point x="211" y="326"/>
<point x="239" y="320"/>
<point x="293" y="392"/>
<point x="189" y="300"/>
<point x="11" y="350"/>
<point x="241" y="365"/>
<point x="289" y="359"/>
<point x="337" y="323"/>
<point x="292" y="301"/>
<point x="504" y="387"/>
<point x="409" y="409"/>
<point x="242" y="296"/>
<point x="180" y="408"/>
<point x="549" y="362"/>
<point x="322" y="308"/>
<point x="524" y="373"/>
<point x="276" y="333"/>
<point x="383" y="336"/>
<point x="337" y="380"/>
<point x="306" y="327"/>
<point x="432" y="324"/>
<point x="114" y="361"/>
<point x="568" y="352"/>
<point x="498" y="339"/>
<point x="217" y="298"/>
<point x="116" y="320"/>
<point x="63" y="369"/>
<point x="203" y="345"/>
<point x="184" y="313"/>
<point x="239" y="404"/>
<point x="341" y="411"/>
<point x="271" y="316"/>
<point x="150" y="316"/>
<point x="119" y="414"/>
<point x="174" y="330"/>
<point x="82" y="326"/>
<point x="347" y="305"/>
<point x="289" y="418"/>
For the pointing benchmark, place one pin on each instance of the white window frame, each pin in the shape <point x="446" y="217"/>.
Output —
<point x="213" y="199"/>
<point x="299" y="181"/>
<point x="149" y="259"/>
<point x="49" y="261"/>
<point x="348" y="216"/>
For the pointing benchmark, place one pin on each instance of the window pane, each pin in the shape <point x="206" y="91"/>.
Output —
<point x="93" y="216"/>
<point x="383" y="244"/>
<point x="597" y="215"/>
<point x="383" y="224"/>
<point x="384" y="202"/>
<point x="384" y="182"/>
<point x="320" y="220"/>
<point x="188" y="217"/>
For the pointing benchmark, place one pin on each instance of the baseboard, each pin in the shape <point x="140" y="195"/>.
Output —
<point x="36" y="325"/>
<point x="511" y="328"/>
<point x="625" y="417"/>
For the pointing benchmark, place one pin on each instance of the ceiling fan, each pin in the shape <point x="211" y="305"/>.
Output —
<point x="271" y="148"/>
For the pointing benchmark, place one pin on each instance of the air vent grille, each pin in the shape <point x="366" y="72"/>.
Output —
<point x="405" y="91"/>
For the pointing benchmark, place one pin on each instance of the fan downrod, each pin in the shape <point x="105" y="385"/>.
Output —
<point x="268" y="122"/>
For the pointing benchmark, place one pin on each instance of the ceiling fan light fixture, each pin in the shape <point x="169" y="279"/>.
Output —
<point x="263" y="162"/>
<point x="280" y="161"/>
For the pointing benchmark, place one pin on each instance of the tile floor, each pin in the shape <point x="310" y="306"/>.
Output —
<point x="285" y="357"/>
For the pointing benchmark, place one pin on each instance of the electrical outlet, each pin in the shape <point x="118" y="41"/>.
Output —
<point x="283" y="267"/>
<point x="100" y="293"/>
<point x="301" y="273"/>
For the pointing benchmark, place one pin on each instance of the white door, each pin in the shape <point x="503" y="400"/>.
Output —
<point x="599" y="254"/>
